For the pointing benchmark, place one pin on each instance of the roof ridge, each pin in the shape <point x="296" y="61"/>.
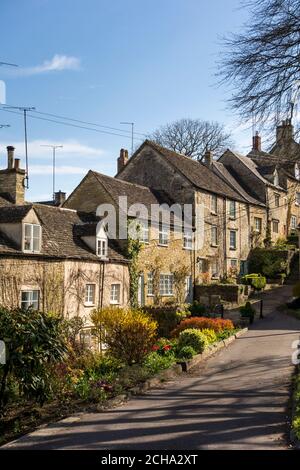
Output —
<point x="97" y="173"/>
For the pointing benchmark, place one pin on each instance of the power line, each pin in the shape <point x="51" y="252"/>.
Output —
<point x="132" y="129"/>
<point x="89" y="123"/>
<point x="71" y="125"/>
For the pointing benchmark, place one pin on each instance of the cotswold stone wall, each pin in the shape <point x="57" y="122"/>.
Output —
<point x="227" y="292"/>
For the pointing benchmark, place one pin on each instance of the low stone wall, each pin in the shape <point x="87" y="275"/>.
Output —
<point x="233" y="293"/>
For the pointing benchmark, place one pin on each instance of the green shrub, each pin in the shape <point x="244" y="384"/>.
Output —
<point x="268" y="262"/>
<point x="225" y="334"/>
<point x="257" y="281"/>
<point x="210" y="335"/>
<point x="296" y="290"/>
<point x="247" y="311"/>
<point x="186" y="352"/>
<point x="129" y="334"/>
<point x="197" y="310"/>
<point x="35" y="343"/>
<point x="154" y="362"/>
<point x="167" y="318"/>
<point x="194" y="338"/>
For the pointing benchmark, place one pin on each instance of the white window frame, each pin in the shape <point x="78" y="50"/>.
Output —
<point x="214" y="204"/>
<point x="101" y="247"/>
<point x="232" y="210"/>
<point x="144" y="233"/>
<point x="115" y="288"/>
<point x="188" y="240"/>
<point x="150" y="285"/>
<point x="258" y="224"/>
<point x="275" y="221"/>
<point x="216" y="274"/>
<point x="166" y="285"/>
<point x="30" y="301"/>
<point x="32" y="238"/>
<point x="214" y="236"/>
<point x="163" y="235"/>
<point x="233" y="246"/>
<point x="90" y="294"/>
<point x="293" y="222"/>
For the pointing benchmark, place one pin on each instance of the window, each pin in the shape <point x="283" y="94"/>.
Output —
<point x="214" y="235"/>
<point x="233" y="263"/>
<point x="32" y="237"/>
<point x="277" y="200"/>
<point x="297" y="172"/>
<point x="257" y="224"/>
<point x="30" y="298"/>
<point x="150" y="289"/>
<point x="214" y="269"/>
<point x="115" y="293"/>
<point x="244" y="267"/>
<point x="275" y="226"/>
<point x="102" y="247"/>
<point x="90" y="290"/>
<point x="232" y="209"/>
<point x="214" y="204"/>
<point x="144" y="232"/>
<point x="163" y="235"/>
<point x="166" y="284"/>
<point x="293" y="222"/>
<point x="188" y="240"/>
<point x="232" y="239"/>
<point x="298" y="199"/>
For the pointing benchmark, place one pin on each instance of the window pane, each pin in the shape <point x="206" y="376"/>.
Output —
<point x="30" y="299"/>
<point x="150" y="284"/>
<point x="115" y="293"/>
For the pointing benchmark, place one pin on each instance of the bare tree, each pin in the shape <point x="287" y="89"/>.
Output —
<point x="192" y="137"/>
<point x="263" y="63"/>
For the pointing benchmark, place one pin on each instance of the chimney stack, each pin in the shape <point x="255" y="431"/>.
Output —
<point x="123" y="159"/>
<point x="12" y="179"/>
<point x="256" y="142"/>
<point x="285" y="132"/>
<point x="208" y="158"/>
<point x="59" y="198"/>
<point x="10" y="157"/>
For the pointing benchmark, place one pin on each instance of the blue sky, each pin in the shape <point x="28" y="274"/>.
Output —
<point x="107" y="61"/>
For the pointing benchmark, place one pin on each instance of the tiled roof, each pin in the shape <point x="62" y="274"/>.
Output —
<point x="134" y="192"/>
<point x="197" y="173"/>
<point x="13" y="214"/>
<point x="233" y="181"/>
<point x="60" y="237"/>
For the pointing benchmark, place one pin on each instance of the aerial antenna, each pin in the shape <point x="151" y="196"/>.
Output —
<point x="53" y="147"/>
<point x="24" y="109"/>
<point x="4" y="125"/>
<point x="132" y="132"/>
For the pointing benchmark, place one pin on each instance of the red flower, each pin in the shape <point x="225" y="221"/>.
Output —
<point x="167" y="347"/>
<point x="155" y="347"/>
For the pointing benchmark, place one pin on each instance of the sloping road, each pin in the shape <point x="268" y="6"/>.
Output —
<point x="237" y="400"/>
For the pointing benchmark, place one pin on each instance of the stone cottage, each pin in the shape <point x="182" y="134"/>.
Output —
<point x="53" y="258"/>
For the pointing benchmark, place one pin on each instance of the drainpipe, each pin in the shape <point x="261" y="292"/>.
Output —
<point x="225" y="238"/>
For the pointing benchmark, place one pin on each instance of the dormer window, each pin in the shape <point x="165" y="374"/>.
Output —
<point x="102" y="247"/>
<point x="297" y="172"/>
<point x="32" y="238"/>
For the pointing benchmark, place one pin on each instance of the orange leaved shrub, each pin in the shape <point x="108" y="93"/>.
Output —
<point x="201" y="323"/>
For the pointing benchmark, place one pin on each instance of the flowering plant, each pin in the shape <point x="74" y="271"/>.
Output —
<point x="163" y="347"/>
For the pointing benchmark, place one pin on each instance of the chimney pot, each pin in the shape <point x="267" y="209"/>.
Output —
<point x="17" y="163"/>
<point x="123" y="159"/>
<point x="256" y="142"/>
<point x="208" y="157"/>
<point x="59" y="198"/>
<point x="10" y="156"/>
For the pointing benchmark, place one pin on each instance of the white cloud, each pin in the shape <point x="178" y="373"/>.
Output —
<point x="60" y="170"/>
<point x="71" y="148"/>
<point x="57" y="63"/>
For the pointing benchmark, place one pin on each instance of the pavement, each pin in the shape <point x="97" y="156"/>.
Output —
<point x="237" y="399"/>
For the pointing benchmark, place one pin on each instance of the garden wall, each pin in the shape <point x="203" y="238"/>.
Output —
<point x="232" y="293"/>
